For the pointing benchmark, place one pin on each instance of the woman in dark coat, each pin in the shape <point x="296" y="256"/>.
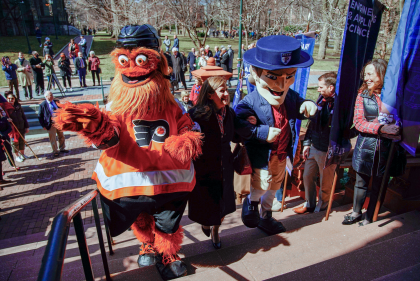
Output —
<point x="178" y="67"/>
<point x="5" y="129"/>
<point x="372" y="148"/>
<point x="213" y="196"/>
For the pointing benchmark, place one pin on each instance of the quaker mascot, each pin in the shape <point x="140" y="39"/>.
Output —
<point x="145" y="172"/>
<point x="274" y="63"/>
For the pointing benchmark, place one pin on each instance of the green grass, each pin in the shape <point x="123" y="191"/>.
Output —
<point x="11" y="46"/>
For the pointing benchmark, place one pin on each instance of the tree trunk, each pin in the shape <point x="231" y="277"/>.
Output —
<point x="322" y="52"/>
<point x="115" y="24"/>
<point x="176" y="27"/>
<point x="337" y="42"/>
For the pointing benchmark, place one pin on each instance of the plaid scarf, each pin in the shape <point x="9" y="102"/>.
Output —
<point x="220" y="117"/>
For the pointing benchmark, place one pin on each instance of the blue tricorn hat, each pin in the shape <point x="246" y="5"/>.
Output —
<point x="278" y="52"/>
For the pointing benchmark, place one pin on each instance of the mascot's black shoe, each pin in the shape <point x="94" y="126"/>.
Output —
<point x="270" y="225"/>
<point x="171" y="267"/>
<point x="250" y="214"/>
<point x="147" y="255"/>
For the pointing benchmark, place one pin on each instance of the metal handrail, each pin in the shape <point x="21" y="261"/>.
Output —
<point x="53" y="259"/>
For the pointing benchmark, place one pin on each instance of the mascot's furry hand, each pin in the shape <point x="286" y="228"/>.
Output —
<point x="308" y="108"/>
<point x="185" y="146"/>
<point x="86" y="119"/>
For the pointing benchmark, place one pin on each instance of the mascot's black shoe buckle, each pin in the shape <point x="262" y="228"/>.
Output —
<point x="250" y="215"/>
<point x="147" y="255"/>
<point x="171" y="267"/>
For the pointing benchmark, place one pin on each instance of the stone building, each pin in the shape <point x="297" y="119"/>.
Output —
<point x="35" y="13"/>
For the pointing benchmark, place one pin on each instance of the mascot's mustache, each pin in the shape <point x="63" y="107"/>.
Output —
<point x="138" y="100"/>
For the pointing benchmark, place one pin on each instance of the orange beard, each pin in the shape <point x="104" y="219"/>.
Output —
<point x="143" y="99"/>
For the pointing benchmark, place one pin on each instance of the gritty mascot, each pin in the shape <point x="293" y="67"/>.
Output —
<point x="275" y="109"/>
<point x="145" y="172"/>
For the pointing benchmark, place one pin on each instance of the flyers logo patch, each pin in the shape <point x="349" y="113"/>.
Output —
<point x="150" y="131"/>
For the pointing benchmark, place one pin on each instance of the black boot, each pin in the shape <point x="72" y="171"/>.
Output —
<point x="270" y="225"/>
<point x="171" y="267"/>
<point x="250" y="214"/>
<point x="147" y="255"/>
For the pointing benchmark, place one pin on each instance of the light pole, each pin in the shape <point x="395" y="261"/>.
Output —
<point x="51" y="2"/>
<point x="240" y="44"/>
<point x="269" y="14"/>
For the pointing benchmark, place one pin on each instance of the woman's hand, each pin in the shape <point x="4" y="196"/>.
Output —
<point x="252" y="120"/>
<point x="10" y="120"/>
<point x="306" y="150"/>
<point x="390" y="130"/>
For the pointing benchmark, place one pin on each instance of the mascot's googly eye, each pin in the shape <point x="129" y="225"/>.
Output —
<point x="141" y="60"/>
<point x="122" y="59"/>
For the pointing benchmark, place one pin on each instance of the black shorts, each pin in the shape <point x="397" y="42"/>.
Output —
<point x="167" y="209"/>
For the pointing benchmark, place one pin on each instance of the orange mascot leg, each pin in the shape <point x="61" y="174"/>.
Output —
<point x="143" y="228"/>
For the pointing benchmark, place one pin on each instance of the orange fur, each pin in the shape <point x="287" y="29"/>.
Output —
<point x="147" y="97"/>
<point x="168" y="244"/>
<point x="143" y="228"/>
<point x="88" y="120"/>
<point x="184" y="147"/>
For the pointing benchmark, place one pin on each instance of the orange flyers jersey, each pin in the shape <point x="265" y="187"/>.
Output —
<point x="138" y="164"/>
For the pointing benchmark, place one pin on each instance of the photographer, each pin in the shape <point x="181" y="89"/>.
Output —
<point x="65" y="70"/>
<point x="49" y="71"/>
<point x="9" y="69"/>
<point x="37" y="67"/>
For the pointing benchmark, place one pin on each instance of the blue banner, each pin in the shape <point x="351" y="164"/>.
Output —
<point x="249" y="86"/>
<point x="361" y="32"/>
<point x="302" y="78"/>
<point x="401" y="97"/>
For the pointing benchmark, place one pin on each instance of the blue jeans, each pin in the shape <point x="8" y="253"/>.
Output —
<point x="82" y="76"/>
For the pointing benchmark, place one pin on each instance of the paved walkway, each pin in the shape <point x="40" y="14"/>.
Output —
<point x="42" y="188"/>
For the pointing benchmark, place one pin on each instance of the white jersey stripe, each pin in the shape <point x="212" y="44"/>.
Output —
<point x="143" y="178"/>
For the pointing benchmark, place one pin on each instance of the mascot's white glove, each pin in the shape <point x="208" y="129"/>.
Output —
<point x="308" y="108"/>
<point x="273" y="133"/>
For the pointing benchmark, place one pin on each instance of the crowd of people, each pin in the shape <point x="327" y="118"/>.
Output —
<point x="25" y="72"/>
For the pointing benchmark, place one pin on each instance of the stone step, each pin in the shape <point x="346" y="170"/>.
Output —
<point x="411" y="273"/>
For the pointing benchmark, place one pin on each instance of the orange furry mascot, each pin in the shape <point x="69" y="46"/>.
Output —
<point x="144" y="173"/>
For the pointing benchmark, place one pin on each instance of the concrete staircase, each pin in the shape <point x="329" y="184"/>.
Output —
<point x="311" y="248"/>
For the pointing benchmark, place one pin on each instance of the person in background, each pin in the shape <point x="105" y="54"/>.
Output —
<point x="315" y="147"/>
<point x="185" y="101"/>
<point x="185" y="61"/>
<point x="94" y="31"/>
<point x="19" y="119"/>
<point x="176" y="42"/>
<point x="372" y="148"/>
<point x="209" y="53"/>
<point x="9" y="69"/>
<point x="243" y="49"/>
<point x="93" y="66"/>
<point x="5" y="129"/>
<point x="217" y="55"/>
<point x="197" y="59"/>
<point x="49" y="71"/>
<point x="83" y="46"/>
<point x="38" y="35"/>
<point x="45" y="114"/>
<point x="65" y="70"/>
<point x="224" y="59"/>
<point x="37" y="67"/>
<point x="231" y="54"/>
<point x="25" y="75"/>
<point x="203" y="59"/>
<point x="178" y="67"/>
<point x="195" y="91"/>
<point x="191" y="62"/>
<point x="167" y="43"/>
<point x="49" y="45"/>
<point x="80" y="65"/>
<point x="73" y="49"/>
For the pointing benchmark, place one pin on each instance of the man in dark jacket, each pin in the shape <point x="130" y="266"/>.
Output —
<point x="37" y="67"/>
<point x="80" y="65"/>
<point x="178" y="67"/>
<point x="224" y="62"/>
<point x="315" y="147"/>
<point x="274" y="109"/>
<point x="38" y="35"/>
<point x="191" y="61"/>
<point x="45" y="113"/>
<point x="209" y="53"/>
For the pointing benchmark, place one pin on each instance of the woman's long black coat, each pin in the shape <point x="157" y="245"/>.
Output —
<point x="213" y="196"/>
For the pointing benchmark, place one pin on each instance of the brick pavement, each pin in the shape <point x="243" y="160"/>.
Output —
<point x="42" y="188"/>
